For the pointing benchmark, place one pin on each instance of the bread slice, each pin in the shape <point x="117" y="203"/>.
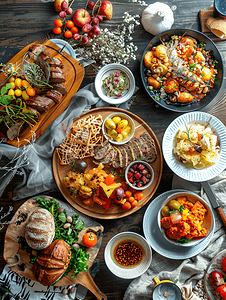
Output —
<point x="124" y="156"/>
<point x="117" y="162"/>
<point x="102" y="151"/>
<point x="152" y="153"/>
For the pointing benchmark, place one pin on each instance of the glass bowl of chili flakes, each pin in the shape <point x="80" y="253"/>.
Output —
<point x="128" y="255"/>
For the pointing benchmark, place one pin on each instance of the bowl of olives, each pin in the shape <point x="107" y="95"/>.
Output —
<point x="119" y="128"/>
<point x="185" y="219"/>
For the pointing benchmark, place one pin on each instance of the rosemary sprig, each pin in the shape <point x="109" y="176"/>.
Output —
<point x="188" y="134"/>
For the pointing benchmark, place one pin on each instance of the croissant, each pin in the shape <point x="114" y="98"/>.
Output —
<point x="52" y="262"/>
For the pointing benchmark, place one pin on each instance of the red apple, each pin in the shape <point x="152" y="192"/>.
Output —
<point x="106" y="10"/>
<point x="81" y="17"/>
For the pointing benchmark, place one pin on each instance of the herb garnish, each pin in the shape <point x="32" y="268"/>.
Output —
<point x="181" y="208"/>
<point x="215" y="62"/>
<point x="201" y="44"/>
<point x="183" y="241"/>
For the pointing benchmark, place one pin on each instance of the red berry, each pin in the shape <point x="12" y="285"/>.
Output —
<point x="131" y="180"/>
<point x="96" y="29"/>
<point x="91" y="33"/>
<point x="62" y="14"/>
<point x="85" y="39"/>
<point x="91" y="4"/>
<point x="145" y="172"/>
<point x="64" y="5"/>
<point x="76" y="36"/>
<point x="137" y="175"/>
<point x="69" y="11"/>
<point x="139" y="184"/>
<point x="86" y="27"/>
<point x="95" y="20"/>
<point x="100" y="18"/>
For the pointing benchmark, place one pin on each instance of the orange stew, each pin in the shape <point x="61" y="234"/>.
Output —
<point x="183" y="219"/>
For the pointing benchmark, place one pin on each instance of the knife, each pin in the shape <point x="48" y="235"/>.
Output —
<point x="213" y="200"/>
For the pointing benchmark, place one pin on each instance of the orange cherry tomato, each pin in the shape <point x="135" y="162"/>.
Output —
<point x="109" y="179"/>
<point x="128" y="194"/>
<point x="58" y="23"/>
<point x="131" y="199"/>
<point x="57" y="30"/>
<point x="68" y="34"/>
<point x="30" y="91"/>
<point x="25" y="84"/>
<point x="126" y="205"/>
<point x="89" y="239"/>
<point x="200" y="136"/>
<point x="70" y="24"/>
<point x="74" y="29"/>
<point x="134" y="203"/>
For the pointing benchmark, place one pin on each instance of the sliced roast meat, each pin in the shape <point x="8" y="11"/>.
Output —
<point x="55" y="62"/>
<point x="56" y="69"/>
<point x="152" y="153"/>
<point x="60" y="87"/>
<point x="54" y="95"/>
<point x="37" y="49"/>
<point x="34" y="112"/>
<point x="57" y="77"/>
<point x="41" y="103"/>
<point x="101" y="152"/>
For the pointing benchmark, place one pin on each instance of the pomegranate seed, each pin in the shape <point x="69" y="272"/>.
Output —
<point x="144" y="179"/>
<point x="145" y="172"/>
<point x="91" y="4"/>
<point x="139" y="184"/>
<point x="131" y="180"/>
<point x="116" y="74"/>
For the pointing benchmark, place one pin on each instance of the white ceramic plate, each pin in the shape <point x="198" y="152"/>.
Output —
<point x="214" y="265"/>
<point x="105" y="72"/>
<point x="60" y="43"/>
<point x="155" y="237"/>
<point x="178" y="167"/>
<point x="130" y="272"/>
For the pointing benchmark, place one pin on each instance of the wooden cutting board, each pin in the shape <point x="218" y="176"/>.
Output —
<point x="203" y="16"/>
<point x="115" y="211"/>
<point x="75" y="74"/>
<point x="11" y="246"/>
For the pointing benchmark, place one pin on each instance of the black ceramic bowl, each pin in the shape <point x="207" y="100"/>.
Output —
<point x="200" y="37"/>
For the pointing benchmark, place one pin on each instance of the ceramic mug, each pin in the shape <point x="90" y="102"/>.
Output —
<point x="220" y="8"/>
<point x="166" y="289"/>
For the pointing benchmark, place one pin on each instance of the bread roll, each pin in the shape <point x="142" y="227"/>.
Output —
<point x="217" y="26"/>
<point x="40" y="229"/>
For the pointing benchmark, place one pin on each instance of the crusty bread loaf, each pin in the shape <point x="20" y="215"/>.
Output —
<point x="40" y="229"/>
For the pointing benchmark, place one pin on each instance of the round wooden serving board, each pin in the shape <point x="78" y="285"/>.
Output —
<point x="75" y="74"/>
<point x="11" y="246"/>
<point x="115" y="211"/>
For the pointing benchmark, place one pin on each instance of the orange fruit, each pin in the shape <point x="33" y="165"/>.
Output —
<point x="18" y="92"/>
<point x="58" y="23"/>
<point x="18" y="82"/>
<point x="30" y="91"/>
<point x="68" y="34"/>
<point x="25" y="96"/>
<point x="25" y="84"/>
<point x="74" y="29"/>
<point x="57" y="30"/>
<point x="89" y="239"/>
<point x="70" y="24"/>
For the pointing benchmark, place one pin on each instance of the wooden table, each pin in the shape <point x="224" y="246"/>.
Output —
<point x="24" y="21"/>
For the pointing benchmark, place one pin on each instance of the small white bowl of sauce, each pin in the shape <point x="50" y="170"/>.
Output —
<point x="128" y="255"/>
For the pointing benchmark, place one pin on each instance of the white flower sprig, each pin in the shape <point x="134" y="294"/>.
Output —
<point x="111" y="46"/>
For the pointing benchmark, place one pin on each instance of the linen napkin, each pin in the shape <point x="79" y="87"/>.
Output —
<point x="188" y="272"/>
<point x="34" y="161"/>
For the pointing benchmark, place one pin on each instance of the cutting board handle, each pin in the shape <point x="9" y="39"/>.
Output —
<point x="90" y="285"/>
